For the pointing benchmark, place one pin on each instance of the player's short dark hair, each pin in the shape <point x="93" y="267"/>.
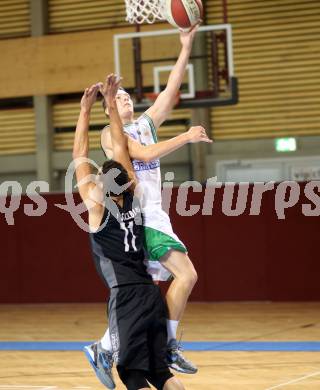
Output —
<point x="110" y="164"/>
<point x="123" y="176"/>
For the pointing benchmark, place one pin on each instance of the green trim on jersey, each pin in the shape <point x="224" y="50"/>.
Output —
<point x="152" y="127"/>
<point x="159" y="244"/>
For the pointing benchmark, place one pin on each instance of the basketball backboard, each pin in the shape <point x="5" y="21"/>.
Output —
<point x="145" y="58"/>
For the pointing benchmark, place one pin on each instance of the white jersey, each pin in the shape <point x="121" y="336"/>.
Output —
<point x="148" y="173"/>
<point x="149" y="177"/>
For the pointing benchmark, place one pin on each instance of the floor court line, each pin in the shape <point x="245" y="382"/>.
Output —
<point x="4" y="387"/>
<point x="27" y="387"/>
<point x="232" y="346"/>
<point x="294" y="380"/>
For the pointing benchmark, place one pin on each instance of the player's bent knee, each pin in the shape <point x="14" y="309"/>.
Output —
<point x="189" y="278"/>
<point x="173" y="383"/>
<point x="180" y="266"/>
<point x="158" y="378"/>
<point x="193" y="277"/>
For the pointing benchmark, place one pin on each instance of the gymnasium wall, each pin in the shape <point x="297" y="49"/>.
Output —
<point x="15" y="18"/>
<point x="276" y="54"/>
<point x="48" y="259"/>
<point x="277" y="62"/>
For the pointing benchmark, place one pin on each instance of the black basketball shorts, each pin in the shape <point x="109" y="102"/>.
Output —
<point x="137" y="323"/>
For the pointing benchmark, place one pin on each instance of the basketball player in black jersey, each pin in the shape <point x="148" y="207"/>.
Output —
<point x="137" y="312"/>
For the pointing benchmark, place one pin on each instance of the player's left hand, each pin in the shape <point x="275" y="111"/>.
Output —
<point x="186" y="37"/>
<point x="198" y="134"/>
<point x="110" y="88"/>
<point x="89" y="97"/>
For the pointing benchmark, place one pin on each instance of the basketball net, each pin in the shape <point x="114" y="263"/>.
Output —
<point x="141" y="11"/>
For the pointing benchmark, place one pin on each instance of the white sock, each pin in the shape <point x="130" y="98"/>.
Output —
<point x="106" y="341"/>
<point x="172" y="329"/>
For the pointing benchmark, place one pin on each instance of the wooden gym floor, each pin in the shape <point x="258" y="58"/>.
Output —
<point x="259" y="325"/>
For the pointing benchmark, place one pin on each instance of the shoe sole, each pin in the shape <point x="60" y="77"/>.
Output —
<point x="181" y="370"/>
<point x="102" y="379"/>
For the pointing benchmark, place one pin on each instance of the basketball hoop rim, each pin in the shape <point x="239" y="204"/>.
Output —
<point x="152" y="96"/>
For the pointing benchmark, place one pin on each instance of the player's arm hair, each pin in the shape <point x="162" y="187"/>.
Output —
<point x="144" y="153"/>
<point x="166" y="100"/>
<point x="120" y="141"/>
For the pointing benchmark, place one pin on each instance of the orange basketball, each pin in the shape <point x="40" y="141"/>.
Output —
<point x="184" y="13"/>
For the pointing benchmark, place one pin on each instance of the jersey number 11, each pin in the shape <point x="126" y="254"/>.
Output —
<point x="128" y="230"/>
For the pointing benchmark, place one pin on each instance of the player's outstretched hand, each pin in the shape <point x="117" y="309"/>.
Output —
<point x="186" y="37"/>
<point x="90" y="96"/>
<point x="198" y="134"/>
<point x="110" y="88"/>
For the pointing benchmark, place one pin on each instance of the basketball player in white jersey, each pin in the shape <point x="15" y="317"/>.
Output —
<point x="161" y="242"/>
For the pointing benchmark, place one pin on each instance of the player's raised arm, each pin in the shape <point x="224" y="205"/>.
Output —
<point x="152" y="152"/>
<point x="119" y="140"/>
<point x="81" y="142"/>
<point x="165" y="102"/>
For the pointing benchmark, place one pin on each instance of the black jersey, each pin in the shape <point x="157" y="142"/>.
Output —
<point x="118" y="246"/>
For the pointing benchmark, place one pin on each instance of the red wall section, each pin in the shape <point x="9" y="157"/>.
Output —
<point x="236" y="250"/>
<point x="48" y="258"/>
<point x="293" y="256"/>
<point x="10" y="275"/>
